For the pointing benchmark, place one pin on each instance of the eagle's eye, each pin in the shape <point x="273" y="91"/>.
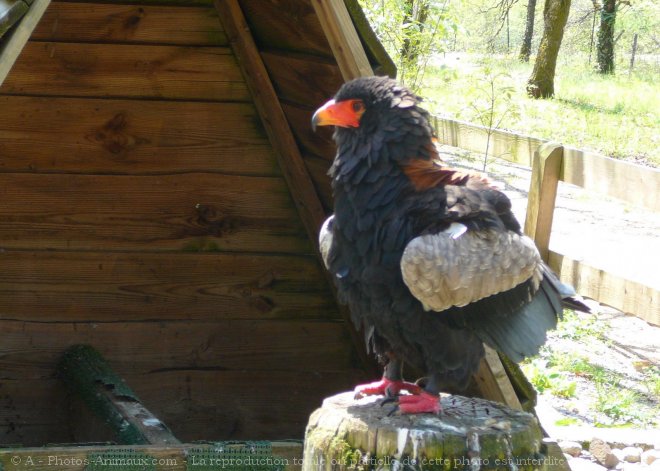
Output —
<point x="357" y="106"/>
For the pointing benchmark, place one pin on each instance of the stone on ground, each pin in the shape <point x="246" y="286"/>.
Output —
<point x="603" y="453"/>
<point x="650" y="456"/>
<point x="570" y="448"/>
<point x="632" y="454"/>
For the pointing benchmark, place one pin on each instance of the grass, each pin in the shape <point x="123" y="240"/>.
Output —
<point x="618" y="116"/>
<point x="579" y="380"/>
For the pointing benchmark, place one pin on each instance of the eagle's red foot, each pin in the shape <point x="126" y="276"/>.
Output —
<point x="423" y="403"/>
<point x="385" y="387"/>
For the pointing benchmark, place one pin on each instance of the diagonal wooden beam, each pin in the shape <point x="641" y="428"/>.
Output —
<point x="281" y="137"/>
<point x="343" y="38"/>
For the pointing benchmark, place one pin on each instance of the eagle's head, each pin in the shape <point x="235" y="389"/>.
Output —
<point x="376" y="118"/>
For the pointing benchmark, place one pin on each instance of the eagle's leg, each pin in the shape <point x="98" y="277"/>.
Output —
<point x="427" y="401"/>
<point x="391" y="384"/>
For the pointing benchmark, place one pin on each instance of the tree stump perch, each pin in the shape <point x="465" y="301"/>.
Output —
<point x="469" y="433"/>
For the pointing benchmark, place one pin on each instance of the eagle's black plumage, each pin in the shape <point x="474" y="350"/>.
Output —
<point x="387" y="191"/>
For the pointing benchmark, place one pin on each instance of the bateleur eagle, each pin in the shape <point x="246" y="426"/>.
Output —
<point x="430" y="259"/>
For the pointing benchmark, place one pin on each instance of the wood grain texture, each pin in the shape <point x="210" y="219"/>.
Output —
<point x="302" y="79"/>
<point x="318" y="170"/>
<point x="77" y="135"/>
<point x="191" y="212"/>
<point x="301" y="186"/>
<point x="629" y="182"/>
<point x="116" y="287"/>
<point x="121" y="70"/>
<point x="289" y="25"/>
<point x="319" y="143"/>
<point x="626" y="295"/>
<point x="136" y="24"/>
<point x="546" y="171"/>
<point x="343" y="38"/>
<point x="30" y="350"/>
<point x="268" y="106"/>
<point x="493" y="382"/>
<point x="196" y="404"/>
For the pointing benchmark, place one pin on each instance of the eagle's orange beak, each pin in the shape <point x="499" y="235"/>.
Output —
<point x="345" y="114"/>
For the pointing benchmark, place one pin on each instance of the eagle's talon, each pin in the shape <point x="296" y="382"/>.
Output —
<point x="424" y="403"/>
<point x="385" y="387"/>
<point x="388" y="400"/>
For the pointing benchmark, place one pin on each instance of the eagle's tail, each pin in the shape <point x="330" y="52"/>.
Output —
<point x="522" y="333"/>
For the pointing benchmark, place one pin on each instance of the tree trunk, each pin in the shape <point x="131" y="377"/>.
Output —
<point x="605" y="52"/>
<point x="417" y="13"/>
<point x="345" y="434"/>
<point x="542" y="82"/>
<point x="526" y="48"/>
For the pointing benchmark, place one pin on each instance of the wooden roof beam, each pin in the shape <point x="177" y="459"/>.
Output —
<point x="281" y="137"/>
<point x="343" y="38"/>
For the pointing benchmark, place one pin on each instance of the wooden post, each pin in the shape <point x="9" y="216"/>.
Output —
<point x="493" y="381"/>
<point x="546" y="172"/>
<point x="468" y="433"/>
<point x="87" y="374"/>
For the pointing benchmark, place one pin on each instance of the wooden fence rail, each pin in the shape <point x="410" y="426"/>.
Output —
<point x="551" y="163"/>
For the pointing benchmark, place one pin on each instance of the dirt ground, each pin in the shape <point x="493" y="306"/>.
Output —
<point x="609" y="235"/>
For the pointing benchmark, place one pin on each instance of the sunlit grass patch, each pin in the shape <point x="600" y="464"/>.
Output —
<point x="618" y="115"/>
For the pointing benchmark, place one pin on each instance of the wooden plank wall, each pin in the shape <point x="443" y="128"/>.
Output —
<point x="142" y="211"/>
<point x="304" y="73"/>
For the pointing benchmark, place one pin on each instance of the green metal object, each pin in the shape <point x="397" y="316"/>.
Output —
<point x="11" y="11"/>
<point x="88" y="374"/>
<point x="240" y="456"/>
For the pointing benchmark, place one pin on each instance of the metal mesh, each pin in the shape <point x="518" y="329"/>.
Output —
<point x="239" y="456"/>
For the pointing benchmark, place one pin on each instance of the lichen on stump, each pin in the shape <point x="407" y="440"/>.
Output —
<point x="349" y="434"/>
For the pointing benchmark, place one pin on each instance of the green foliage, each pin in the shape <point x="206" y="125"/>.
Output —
<point x="652" y="380"/>
<point x="580" y="326"/>
<point x="411" y="31"/>
<point x="618" y="404"/>
<point x="615" y="403"/>
<point x="492" y="102"/>
<point x="616" y="115"/>
<point x="549" y="378"/>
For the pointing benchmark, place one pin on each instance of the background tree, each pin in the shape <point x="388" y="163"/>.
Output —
<point x="541" y="84"/>
<point x="526" y="48"/>
<point x="416" y="14"/>
<point x="605" y="47"/>
<point x="412" y="31"/>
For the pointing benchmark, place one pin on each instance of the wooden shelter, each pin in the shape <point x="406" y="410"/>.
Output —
<point x="161" y="190"/>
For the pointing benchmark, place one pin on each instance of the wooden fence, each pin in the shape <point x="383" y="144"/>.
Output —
<point x="551" y="163"/>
